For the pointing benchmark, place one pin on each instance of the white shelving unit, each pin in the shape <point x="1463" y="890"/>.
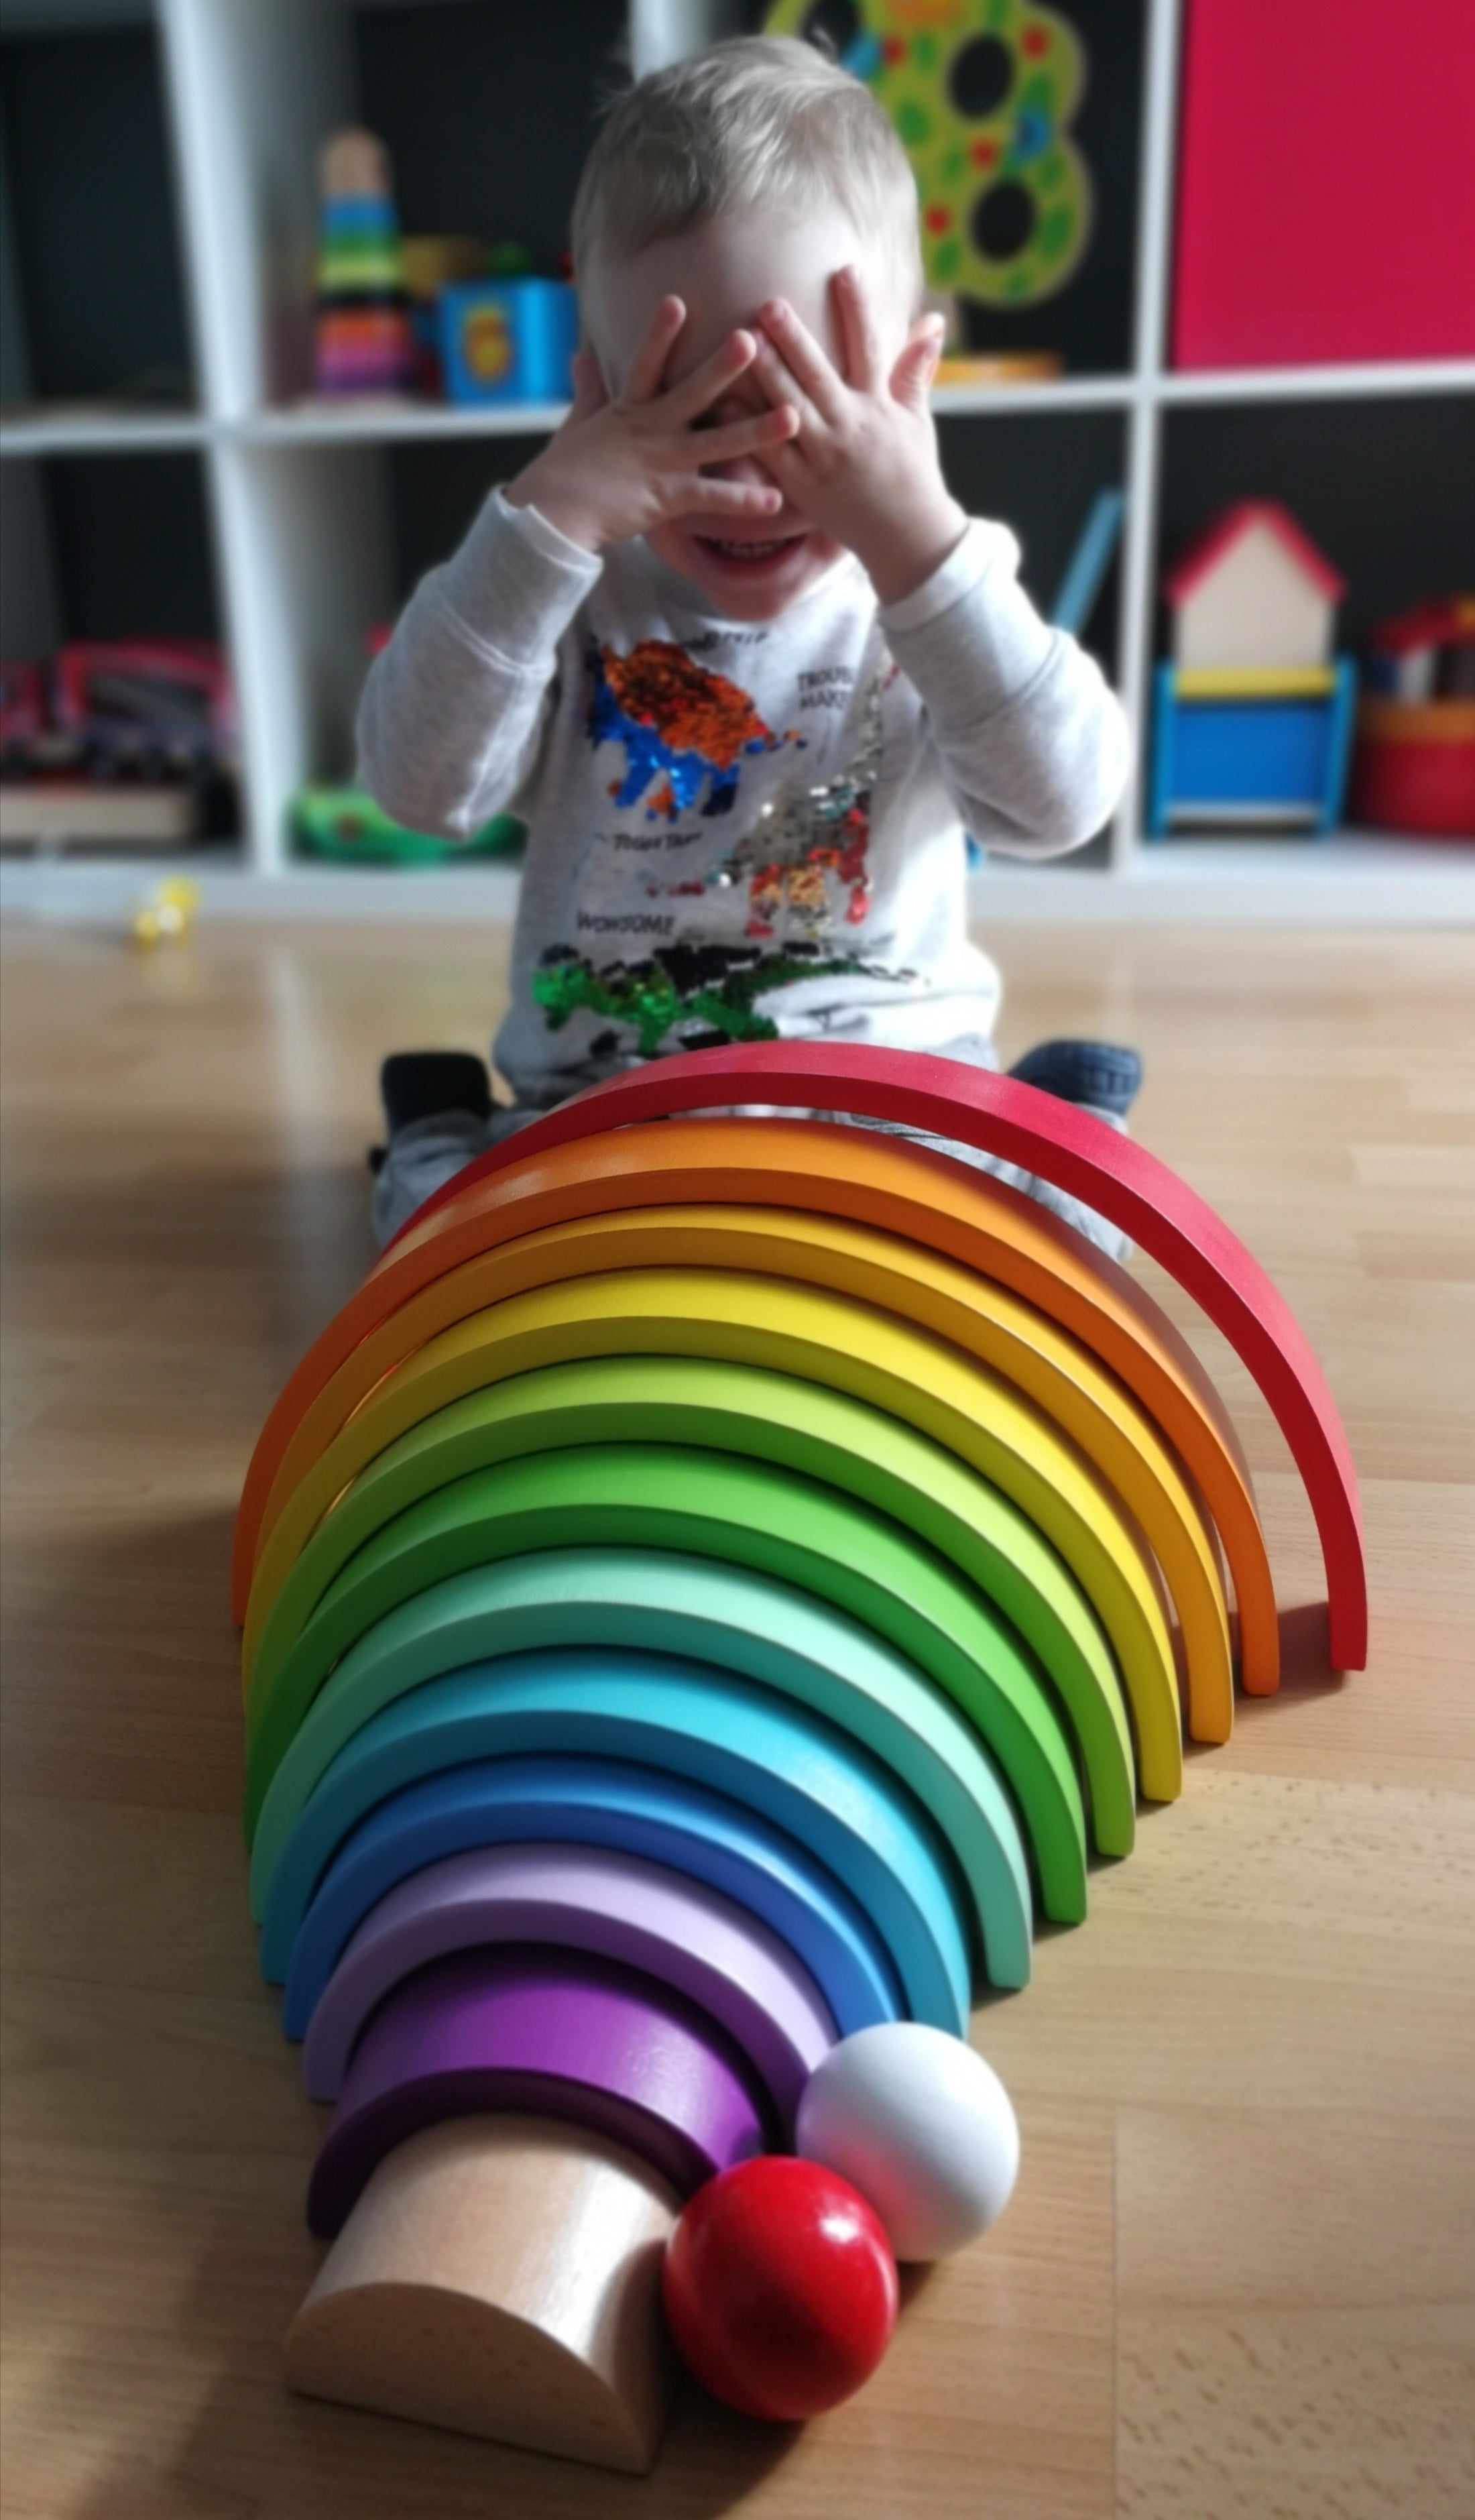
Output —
<point x="299" y="497"/>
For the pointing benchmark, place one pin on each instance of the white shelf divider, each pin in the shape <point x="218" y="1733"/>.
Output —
<point x="304" y="533"/>
<point x="324" y="424"/>
<point x="253" y="92"/>
<point x="1362" y="382"/>
<point x="71" y="432"/>
<point x="1154" y="230"/>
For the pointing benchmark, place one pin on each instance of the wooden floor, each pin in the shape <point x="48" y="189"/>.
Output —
<point x="1237" y="2280"/>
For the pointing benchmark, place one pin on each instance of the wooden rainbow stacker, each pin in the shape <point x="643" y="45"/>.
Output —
<point x="709" y="1591"/>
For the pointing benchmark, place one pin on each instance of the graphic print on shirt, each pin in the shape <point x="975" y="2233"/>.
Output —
<point x="687" y="995"/>
<point x="681" y="725"/>
<point x="805" y="862"/>
<point x="801" y="872"/>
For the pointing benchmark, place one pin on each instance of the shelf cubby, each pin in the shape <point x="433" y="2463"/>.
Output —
<point x="94" y="295"/>
<point x="112" y="546"/>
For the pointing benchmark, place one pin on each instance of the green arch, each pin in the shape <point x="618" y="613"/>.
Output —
<point x="710" y="1504"/>
<point x="766" y="1415"/>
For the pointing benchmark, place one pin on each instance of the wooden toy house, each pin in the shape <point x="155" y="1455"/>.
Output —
<point x="1254" y="714"/>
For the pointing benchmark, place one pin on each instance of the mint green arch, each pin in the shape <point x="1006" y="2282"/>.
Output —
<point x="766" y="1415"/>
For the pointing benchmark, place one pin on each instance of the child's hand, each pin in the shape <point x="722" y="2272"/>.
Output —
<point x="618" y="469"/>
<point x="864" y="465"/>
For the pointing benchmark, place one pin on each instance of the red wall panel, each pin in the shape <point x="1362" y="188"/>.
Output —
<point x="1327" y="191"/>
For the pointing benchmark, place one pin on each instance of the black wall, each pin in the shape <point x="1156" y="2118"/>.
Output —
<point x="132" y="546"/>
<point x="489" y="108"/>
<point x="97" y="241"/>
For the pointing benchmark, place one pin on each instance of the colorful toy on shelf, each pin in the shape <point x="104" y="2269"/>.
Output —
<point x="345" y="824"/>
<point x="127" y="744"/>
<point x="1092" y="556"/>
<point x="432" y="263"/>
<point x="973" y="368"/>
<point x="363" y="337"/>
<point x="1413" y="763"/>
<point x="983" y="94"/>
<point x="703" y="1594"/>
<point x="509" y="339"/>
<point x="1252" y="721"/>
<point x="1427" y="653"/>
<point x="152" y="708"/>
<point x="155" y="707"/>
<point x="23" y="711"/>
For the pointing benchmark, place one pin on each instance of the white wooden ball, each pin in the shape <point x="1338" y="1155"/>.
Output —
<point x="922" y="2126"/>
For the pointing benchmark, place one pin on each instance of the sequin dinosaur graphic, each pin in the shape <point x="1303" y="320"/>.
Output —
<point x="711" y="991"/>
<point x="682" y="727"/>
<point x="805" y="863"/>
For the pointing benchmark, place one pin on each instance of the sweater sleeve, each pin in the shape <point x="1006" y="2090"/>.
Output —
<point x="1032" y="743"/>
<point x="455" y="712"/>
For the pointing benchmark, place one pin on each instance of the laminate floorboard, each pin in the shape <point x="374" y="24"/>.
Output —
<point x="1237" y="2281"/>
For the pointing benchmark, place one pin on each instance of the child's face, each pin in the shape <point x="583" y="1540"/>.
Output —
<point x="750" y="569"/>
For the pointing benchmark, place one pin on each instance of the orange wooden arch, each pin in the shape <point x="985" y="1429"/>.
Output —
<point x="1062" y="1145"/>
<point x="856" y="1175"/>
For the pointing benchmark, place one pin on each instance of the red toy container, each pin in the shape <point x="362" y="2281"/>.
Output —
<point x="23" y="702"/>
<point x="1413" y="766"/>
<point x="126" y="695"/>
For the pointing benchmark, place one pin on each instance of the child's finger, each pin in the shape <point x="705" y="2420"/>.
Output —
<point x="804" y="358"/>
<point x="589" y="394"/>
<point x="697" y="492"/>
<point x="780" y="385"/>
<point x="859" y="334"/>
<point x="912" y="376"/>
<point x="648" y="365"/>
<point x="754" y="434"/>
<point x="718" y="370"/>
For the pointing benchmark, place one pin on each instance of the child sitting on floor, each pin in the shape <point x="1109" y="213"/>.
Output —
<point x="728" y="646"/>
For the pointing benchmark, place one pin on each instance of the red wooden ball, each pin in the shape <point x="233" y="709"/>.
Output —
<point x="780" y="2288"/>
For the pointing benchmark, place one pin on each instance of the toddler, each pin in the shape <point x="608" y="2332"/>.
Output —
<point x="730" y="646"/>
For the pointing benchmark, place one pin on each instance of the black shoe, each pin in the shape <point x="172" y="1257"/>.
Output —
<point x="416" y="1084"/>
<point x="1098" y="1072"/>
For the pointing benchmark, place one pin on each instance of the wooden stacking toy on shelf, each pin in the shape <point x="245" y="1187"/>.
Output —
<point x="705" y="1593"/>
<point x="1252" y="719"/>
<point x="363" y="341"/>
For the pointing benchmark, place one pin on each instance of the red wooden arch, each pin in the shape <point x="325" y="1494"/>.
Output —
<point x="1064" y="1146"/>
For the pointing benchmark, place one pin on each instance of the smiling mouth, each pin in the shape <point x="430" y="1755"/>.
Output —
<point x="752" y="554"/>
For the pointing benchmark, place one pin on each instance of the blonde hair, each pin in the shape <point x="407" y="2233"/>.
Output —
<point x="761" y="122"/>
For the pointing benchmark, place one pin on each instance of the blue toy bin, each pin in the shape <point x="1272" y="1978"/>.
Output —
<point x="507" y="340"/>
<point x="1255" y="757"/>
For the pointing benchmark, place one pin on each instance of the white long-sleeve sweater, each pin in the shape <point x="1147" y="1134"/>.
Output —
<point x="735" y="831"/>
